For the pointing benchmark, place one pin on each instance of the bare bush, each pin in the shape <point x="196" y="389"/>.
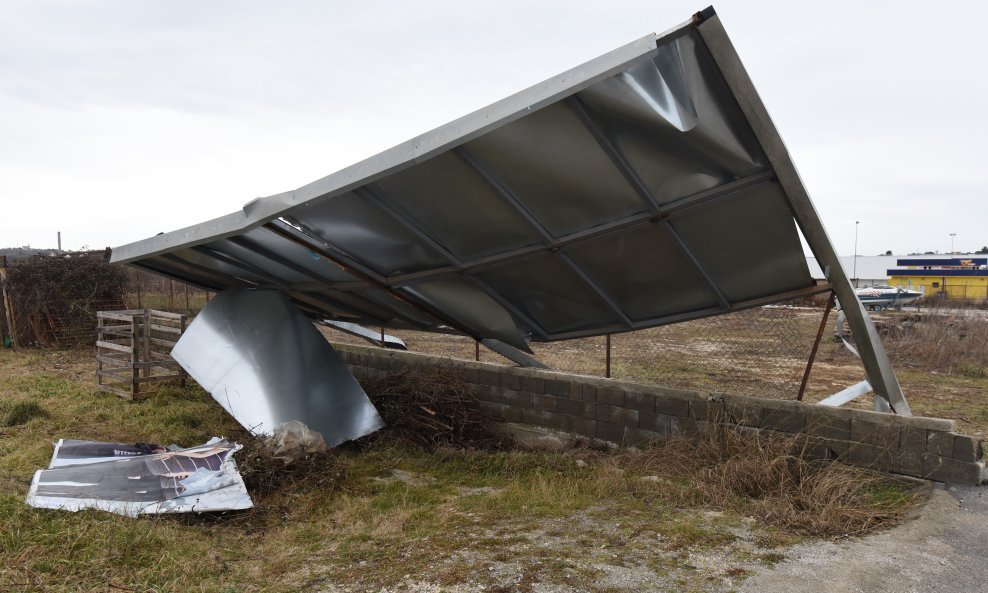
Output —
<point x="943" y="339"/>
<point x="55" y="297"/>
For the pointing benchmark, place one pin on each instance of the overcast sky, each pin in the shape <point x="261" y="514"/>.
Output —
<point x="122" y="119"/>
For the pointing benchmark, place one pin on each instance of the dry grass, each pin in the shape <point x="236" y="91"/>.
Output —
<point x="770" y="478"/>
<point x="945" y="340"/>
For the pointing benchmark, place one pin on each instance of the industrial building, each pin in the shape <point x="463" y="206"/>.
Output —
<point x="956" y="277"/>
<point x="964" y="277"/>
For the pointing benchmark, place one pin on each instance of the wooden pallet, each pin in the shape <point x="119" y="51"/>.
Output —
<point x="133" y="351"/>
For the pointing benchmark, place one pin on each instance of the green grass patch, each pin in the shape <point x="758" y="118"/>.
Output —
<point x="23" y="412"/>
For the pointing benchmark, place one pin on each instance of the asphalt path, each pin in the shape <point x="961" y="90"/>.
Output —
<point x="942" y="549"/>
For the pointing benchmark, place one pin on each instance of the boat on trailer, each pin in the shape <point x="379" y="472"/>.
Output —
<point x="876" y="298"/>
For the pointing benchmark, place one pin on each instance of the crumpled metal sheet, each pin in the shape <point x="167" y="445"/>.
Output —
<point x="266" y="364"/>
<point x="134" y="481"/>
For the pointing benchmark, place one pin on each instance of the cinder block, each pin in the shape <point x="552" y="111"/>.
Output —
<point x="658" y="423"/>
<point x="881" y="431"/>
<point x="485" y="392"/>
<point x="639" y="400"/>
<point x="610" y="431"/>
<point x="607" y="413"/>
<point x="867" y="455"/>
<point x="743" y="412"/>
<point x="520" y="399"/>
<point x="828" y="422"/>
<point x="939" y="443"/>
<point x="512" y="414"/>
<point x="489" y="377"/>
<point x="838" y="448"/>
<point x="672" y="405"/>
<point x="494" y="411"/>
<point x="709" y="409"/>
<point x="629" y="417"/>
<point x="648" y="436"/>
<point x="544" y="402"/>
<point x="967" y="448"/>
<point x="610" y="395"/>
<point x="470" y="374"/>
<point x="533" y="384"/>
<point x="545" y="419"/>
<point x="511" y="381"/>
<point x="632" y="436"/>
<point x="783" y="420"/>
<point x="679" y="425"/>
<point x="910" y="456"/>
<point x="952" y="471"/>
<point x="589" y="392"/>
<point x="557" y="387"/>
<point x="556" y="421"/>
<point x="570" y="407"/>
<point x="583" y="426"/>
<point x="925" y="423"/>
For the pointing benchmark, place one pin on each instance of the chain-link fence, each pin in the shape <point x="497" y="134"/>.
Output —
<point x="762" y="351"/>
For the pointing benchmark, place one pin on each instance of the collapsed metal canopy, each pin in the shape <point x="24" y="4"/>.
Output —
<point x="645" y="187"/>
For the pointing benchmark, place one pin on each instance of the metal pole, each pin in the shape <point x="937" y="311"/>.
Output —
<point x="952" y="235"/>
<point x="816" y="345"/>
<point x="382" y="336"/>
<point x="476" y="350"/>
<point x="855" y="272"/>
<point x="607" y="364"/>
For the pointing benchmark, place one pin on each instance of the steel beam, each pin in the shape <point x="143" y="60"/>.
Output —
<point x="873" y="356"/>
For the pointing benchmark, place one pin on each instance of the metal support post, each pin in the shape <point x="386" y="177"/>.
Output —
<point x="816" y="345"/>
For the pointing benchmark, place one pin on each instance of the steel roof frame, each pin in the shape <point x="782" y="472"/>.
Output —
<point x="273" y="215"/>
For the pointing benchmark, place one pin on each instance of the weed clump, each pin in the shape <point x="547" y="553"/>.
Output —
<point x="23" y="412"/>
<point x="770" y="478"/>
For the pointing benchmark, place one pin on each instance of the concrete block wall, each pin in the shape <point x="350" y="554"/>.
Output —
<point x="629" y="413"/>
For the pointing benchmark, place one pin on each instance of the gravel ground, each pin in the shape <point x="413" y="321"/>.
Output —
<point x="940" y="551"/>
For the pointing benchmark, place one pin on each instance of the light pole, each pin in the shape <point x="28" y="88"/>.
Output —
<point x="952" y="235"/>
<point x="855" y="272"/>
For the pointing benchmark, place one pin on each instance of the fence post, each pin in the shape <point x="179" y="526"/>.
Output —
<point x="182" y="324"/>
<point x="146" y="354"/>
<point x="135" y="349"/>
<point x="607" y="368"/>
<point x="476" y="350"/>
<point x="5" y="303"/>
<point x="816" y="345"/>
<point x="140" y="301"/>
<point x="171" y="295"/>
